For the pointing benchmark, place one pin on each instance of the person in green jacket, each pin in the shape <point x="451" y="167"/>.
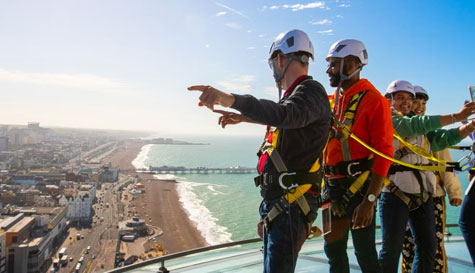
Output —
<point x="447" y="182"/>
<point x="408" y="196"/>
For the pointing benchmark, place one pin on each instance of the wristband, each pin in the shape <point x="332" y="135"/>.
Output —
<point x="471" y="125"/>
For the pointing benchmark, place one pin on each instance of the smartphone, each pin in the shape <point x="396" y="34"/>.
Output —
<point x="326" y="218"/>
<point x="471" y="89"/>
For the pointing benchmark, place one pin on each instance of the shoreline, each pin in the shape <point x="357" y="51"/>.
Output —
<point x="160" y="205"/>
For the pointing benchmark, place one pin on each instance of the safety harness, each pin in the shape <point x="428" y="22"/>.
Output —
<point x="355" y="172"/>
<point x="412" y="201"/>
<point x="294" y="184"/>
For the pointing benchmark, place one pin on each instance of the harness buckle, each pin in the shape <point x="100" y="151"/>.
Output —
<point x="348" y="168"/>
<point x="281" y="182"/>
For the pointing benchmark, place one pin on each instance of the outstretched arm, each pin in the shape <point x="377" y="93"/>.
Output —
<point x="461" y="115"/>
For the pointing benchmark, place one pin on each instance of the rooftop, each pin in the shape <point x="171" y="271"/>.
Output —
<point x="22" y="224"/>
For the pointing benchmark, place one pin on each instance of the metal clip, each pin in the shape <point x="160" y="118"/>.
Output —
<point x="281" y="183"/>
<point x="348" y="169"/>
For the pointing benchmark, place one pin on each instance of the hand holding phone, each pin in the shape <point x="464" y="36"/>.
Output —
<point x="471" y="89"/>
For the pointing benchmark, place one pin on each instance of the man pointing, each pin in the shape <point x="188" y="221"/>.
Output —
<point x="290" y="157"/>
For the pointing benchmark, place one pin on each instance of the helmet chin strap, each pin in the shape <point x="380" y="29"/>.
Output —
<point x="278" y="76"/>
<point x="343" y="78"/>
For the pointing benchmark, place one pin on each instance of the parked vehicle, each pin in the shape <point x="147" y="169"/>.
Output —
<point x="64" y="260"/>
<point x="62" y="252"/>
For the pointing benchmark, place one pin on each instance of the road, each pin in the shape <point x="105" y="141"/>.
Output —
<point x="101" y="236"/>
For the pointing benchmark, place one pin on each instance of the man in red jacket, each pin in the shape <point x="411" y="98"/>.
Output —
<point x="354" y="175"/>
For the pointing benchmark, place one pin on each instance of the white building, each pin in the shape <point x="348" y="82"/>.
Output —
<point x="79" y="206"/>
<point x="89" y="186"/>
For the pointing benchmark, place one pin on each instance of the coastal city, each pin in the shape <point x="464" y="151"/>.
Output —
<point x="72" y="202"/>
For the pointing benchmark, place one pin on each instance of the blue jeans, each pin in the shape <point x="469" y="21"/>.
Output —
<point x="394" y="218"/>
<point x="286" y="236"/>
<point x="363" y="239"/>
<point x="467" y="222"/>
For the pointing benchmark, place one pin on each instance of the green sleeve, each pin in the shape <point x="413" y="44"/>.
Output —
<point x="415" y="125"/>
<point x="440" y="139"/>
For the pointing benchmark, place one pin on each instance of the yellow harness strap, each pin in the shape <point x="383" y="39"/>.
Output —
<point x="296" y="194"/>
<point x="417" y="167"/>
<point x="348" y="118"/>
<point x="418" y="150"/>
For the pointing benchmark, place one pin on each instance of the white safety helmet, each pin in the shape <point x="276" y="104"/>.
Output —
<point x="292" y="41"/>
<point x="349" y="47"/>
<point x="420" y="91"/>
<point x="399" y="85"/>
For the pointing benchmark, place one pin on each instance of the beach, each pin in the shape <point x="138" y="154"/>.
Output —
<point x="160" y="204"/>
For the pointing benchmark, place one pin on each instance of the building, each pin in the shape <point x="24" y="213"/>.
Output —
<point x="58" y="224"/>
<point x="33" y="125"/>
<point x="107" y="174"/>
<point x="29" y="240"/>
<point x="26" y="179"/>
<point x="29" y="256"/>
<point x="27" y="197"/>
<point x="3" y="251"/>
<point x="79" y="207"/>
<point x="3" y="144"/>
<point x="18" y="229"/>
<point x="136" y="227"/>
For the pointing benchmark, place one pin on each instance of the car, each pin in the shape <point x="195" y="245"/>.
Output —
<point x="93" y="256"/>
<point x="71" y="259"/>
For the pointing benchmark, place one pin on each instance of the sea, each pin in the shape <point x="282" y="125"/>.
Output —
<point x="224" y="207"/>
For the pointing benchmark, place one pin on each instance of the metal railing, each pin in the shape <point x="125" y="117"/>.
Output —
<point x="162" y="259"/>
<point x="165" y="258"/>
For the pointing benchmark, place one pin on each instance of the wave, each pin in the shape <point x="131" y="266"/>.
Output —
<point x="206" y="223"/>
<point x="198" y="213"/>
<point x="139" y="161"/>
<point x="213" y="189"/>
<point x="166" y="176"/>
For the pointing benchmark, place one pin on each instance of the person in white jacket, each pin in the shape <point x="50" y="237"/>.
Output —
<point x="447" y="182"/>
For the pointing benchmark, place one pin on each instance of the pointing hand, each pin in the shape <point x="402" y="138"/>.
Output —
<point x="211" y="96"/>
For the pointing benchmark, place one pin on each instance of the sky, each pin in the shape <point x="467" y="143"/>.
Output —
<point x="125" y="64"/>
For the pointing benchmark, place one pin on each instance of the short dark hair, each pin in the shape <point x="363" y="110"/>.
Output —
<point x="420" y="96"/>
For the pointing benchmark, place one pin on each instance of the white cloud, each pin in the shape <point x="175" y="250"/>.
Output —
<point x="233" y="25"/>
<point x="233" y="10"/>
<point x="297" y="7"/>
<point x="344" y="5"/>
<point x="221" y="13"/>
<point x="261" y="35"/>
<point x="206" y="45"/>
<point x="251" y="47"/>
<point x="322" y="22"/>
<point x="240" y="84"/>
<point x="339" y="16"/>
<point x="326" y="32"/>
<point x="76" y="81"/>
